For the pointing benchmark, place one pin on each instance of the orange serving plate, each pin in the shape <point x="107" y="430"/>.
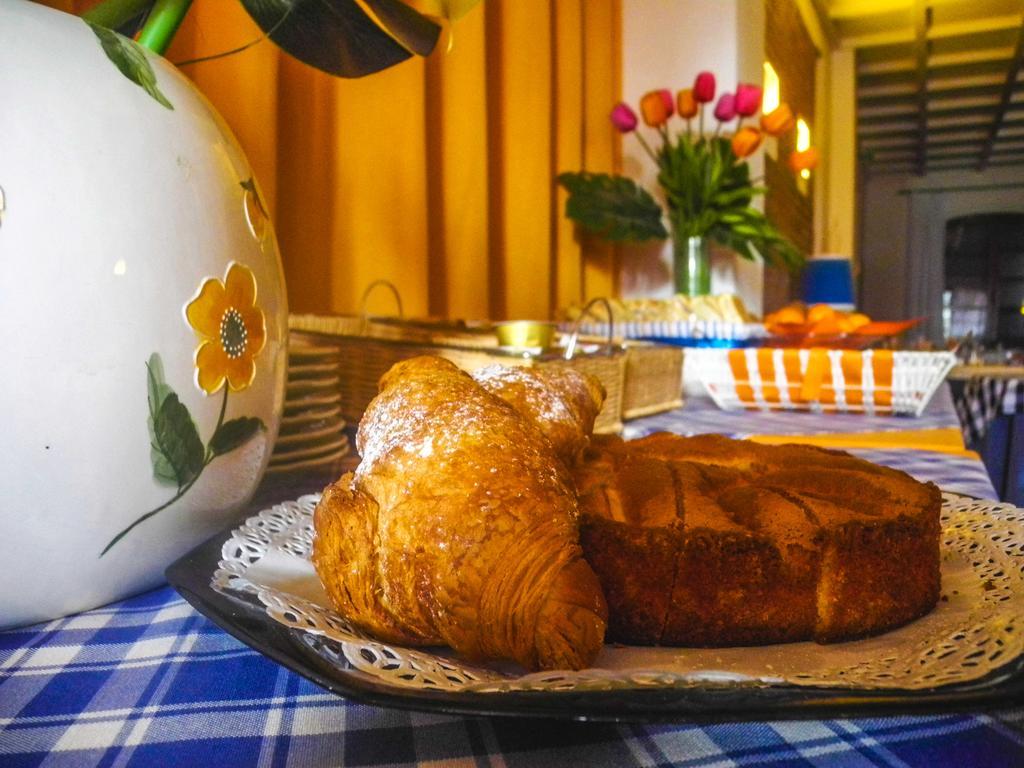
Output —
<point x="864" y="337"/>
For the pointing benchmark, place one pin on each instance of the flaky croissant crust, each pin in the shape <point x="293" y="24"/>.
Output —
<point x="459" y="527"/>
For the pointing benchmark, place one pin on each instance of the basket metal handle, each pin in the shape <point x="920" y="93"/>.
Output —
<point x="570" y="348"/>
<point x="366" y="295"/>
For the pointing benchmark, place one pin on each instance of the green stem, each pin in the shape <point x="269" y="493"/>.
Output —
<point x="185" y="488"/>
<point x="181" y="492"/>
<point x="220" y="418"/>
<point x="113" y="13"/>
<point x="164" y="20"/>
<point x="646" y="146"/>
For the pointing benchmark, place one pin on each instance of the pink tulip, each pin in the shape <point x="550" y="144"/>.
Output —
<point x="623" y="118"/>
<point x="725" y="110"/>
<point x="704" y="88"/>
<point x="748" y="99"/>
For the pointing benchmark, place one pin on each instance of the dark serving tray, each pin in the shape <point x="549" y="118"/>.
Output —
<point x="313" y="658"/>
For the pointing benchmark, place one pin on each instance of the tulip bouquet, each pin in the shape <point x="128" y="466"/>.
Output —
<point x="703" y="174"/>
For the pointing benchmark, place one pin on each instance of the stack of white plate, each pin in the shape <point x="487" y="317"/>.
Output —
<point x="312" y="434"/>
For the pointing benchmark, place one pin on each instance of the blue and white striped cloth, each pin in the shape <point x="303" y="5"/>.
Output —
<point x="676" y="331"/>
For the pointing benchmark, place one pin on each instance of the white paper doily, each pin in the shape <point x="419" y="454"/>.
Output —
<point x="976" y="627"/>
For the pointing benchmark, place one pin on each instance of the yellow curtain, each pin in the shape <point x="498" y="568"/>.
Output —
<point x="438" y="174"/>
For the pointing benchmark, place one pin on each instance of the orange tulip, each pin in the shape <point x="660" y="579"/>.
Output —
<point x="686" y="104"/>
<point x="803" y="161"/>
<point x="746" y="141"/>
<point x="779" y="121"/>
<point x="657" y="107"/>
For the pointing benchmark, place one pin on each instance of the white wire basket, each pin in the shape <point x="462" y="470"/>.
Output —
<point x="823" y="380"/>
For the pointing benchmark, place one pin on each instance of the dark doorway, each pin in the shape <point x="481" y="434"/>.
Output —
<point x="984" y="286"/>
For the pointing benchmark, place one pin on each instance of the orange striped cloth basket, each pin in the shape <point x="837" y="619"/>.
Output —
<point x="826" y="380"/>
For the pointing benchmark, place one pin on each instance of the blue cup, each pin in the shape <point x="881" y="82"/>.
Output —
<point x="829" y="280"/>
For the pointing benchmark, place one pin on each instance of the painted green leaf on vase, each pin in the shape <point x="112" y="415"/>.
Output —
<point x="235" y="433"/>
<point x="347" y="38"/>
<point x="176" y="451"/>
<point x="158" y="390"/>
<point x="130" y="58"/>
<point x="612" y="207"/>
<point x="178" y="439"/>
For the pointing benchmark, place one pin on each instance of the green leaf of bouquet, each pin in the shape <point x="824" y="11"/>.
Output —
<point x="130" y="58"/>
<point x="340" y="37"/>
<point x="232" y="434"/>
<point x="612" y="207"/>
<point x="739" y="196"/>
<point x="178" y="440"/>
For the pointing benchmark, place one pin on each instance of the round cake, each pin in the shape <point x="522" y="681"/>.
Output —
<point x="707" y="541"/>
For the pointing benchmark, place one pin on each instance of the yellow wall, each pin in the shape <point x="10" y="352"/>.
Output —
<point x="438" y="174"/>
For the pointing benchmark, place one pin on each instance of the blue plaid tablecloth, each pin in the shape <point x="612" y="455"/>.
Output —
<point x="700" y="415"/>
<point x="985" y="398"/>
<point x="150" y="682"/>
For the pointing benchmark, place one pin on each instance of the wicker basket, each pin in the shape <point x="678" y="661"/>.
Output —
<point x="829" y="380"/>
<point x="654" y="379"/>
<point x="654" y="372"/>
<point x="369" y="348"/>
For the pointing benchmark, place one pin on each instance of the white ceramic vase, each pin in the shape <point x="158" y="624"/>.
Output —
<point x="142" y="313"/>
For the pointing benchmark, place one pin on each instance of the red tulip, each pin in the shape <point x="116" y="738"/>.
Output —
<point x="779" y="121"/>
<point x="623" y="117"/>
<point x="748" y="99"/>
<point x="725" y="109"/>
<point x="657" y="107"/>
<point x="803" y="161"/>
<point x="746" y="141"/>
<point x="704" y="88"/>
<point x="686" y="104"/>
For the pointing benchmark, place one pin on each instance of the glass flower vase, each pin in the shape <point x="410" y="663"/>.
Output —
<point x="691" y="265"/>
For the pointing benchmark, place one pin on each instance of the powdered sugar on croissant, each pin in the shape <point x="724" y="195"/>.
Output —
<point x="459" y="527"/>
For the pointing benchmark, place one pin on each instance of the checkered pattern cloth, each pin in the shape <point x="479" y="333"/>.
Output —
<point x="982" y="400"/>
<point x="702" y="416"/>
<point x="150" y="682"/>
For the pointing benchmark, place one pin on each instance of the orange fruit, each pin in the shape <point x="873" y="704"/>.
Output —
<point x="826" y="326"/>
<point x="791" y="314"/>
<point x="820" y="312"/>
<point x="857" y="319"/>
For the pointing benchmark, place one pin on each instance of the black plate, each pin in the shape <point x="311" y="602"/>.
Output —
<point x="309" y="657"/>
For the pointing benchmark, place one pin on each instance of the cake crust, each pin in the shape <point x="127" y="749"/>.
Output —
<point x="708" y="541"/>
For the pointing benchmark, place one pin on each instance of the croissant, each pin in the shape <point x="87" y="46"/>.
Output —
<point x="562" y="402"/>
<point x="459" y="527"/>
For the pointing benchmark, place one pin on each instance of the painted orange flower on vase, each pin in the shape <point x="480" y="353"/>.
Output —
<point x="232" y="331"/>
<point x="232" y="328"/>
